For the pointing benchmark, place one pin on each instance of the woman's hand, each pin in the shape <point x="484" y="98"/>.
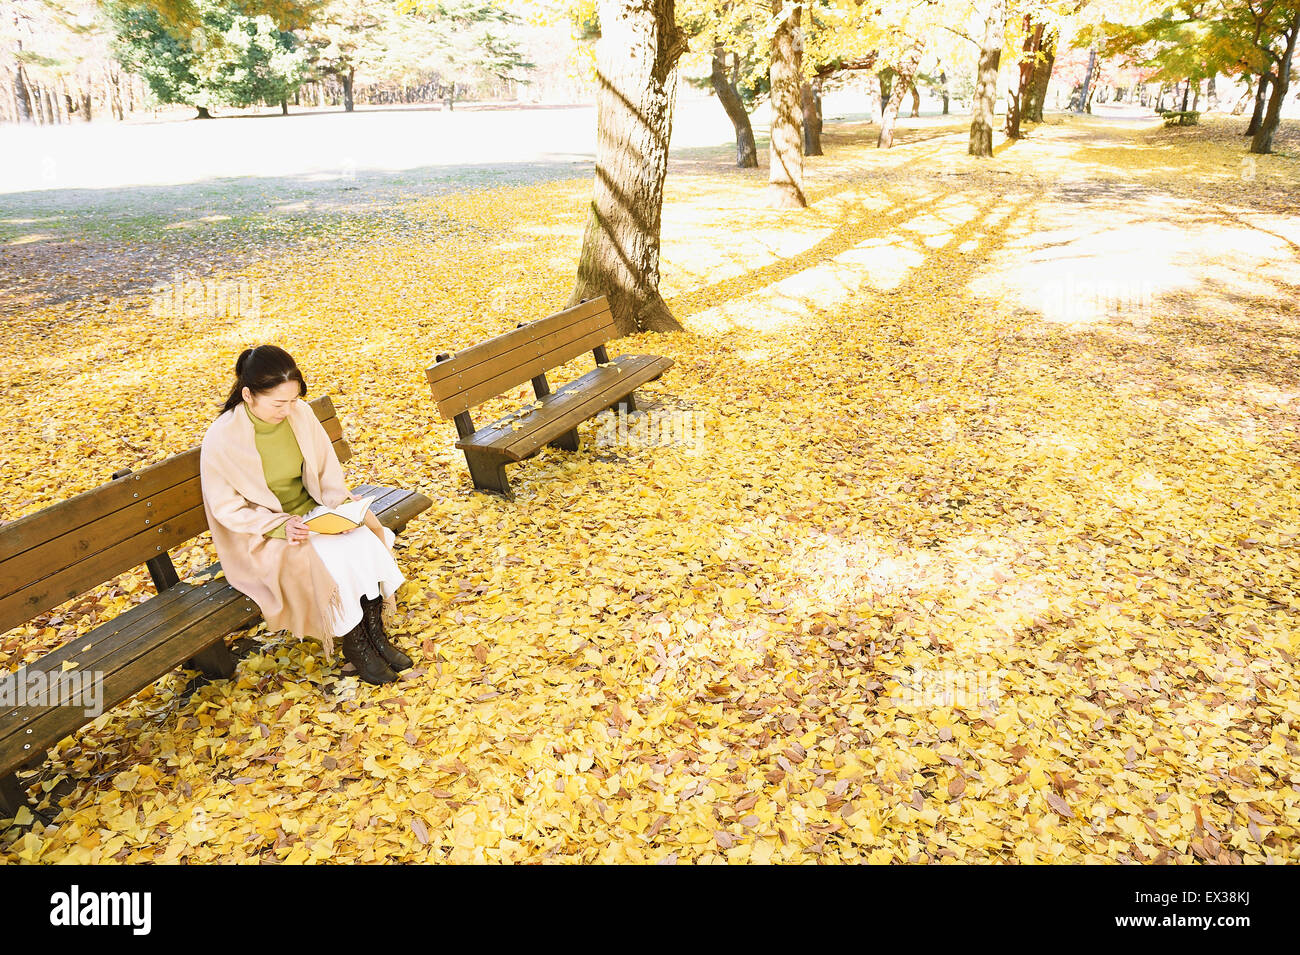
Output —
<point x="295" y="530"/>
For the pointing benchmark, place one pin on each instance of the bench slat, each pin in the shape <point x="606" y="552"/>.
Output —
<point x="152" y="638"/>
<point x="538" y="363"/>
<point x="507" y="361"/>
<point x="567" y="407"/>
<point x="100" y="567"/>
<point x="464" y="362"/>
<point x="136" y="665"/>
<point x="65" y="550"/>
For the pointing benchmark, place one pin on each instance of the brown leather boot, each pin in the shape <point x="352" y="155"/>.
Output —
<point x="373" y="616"/>
<point x="358" y="651"/>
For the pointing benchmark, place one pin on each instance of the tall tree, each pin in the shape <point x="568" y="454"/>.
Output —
<point x="785" y="173"/>
<point x="345" y="36"/>
<point x="1279" y="76"/>
<point x="986" y="82"/>
<point x="1018" y="97"/>
<point x="1036" y="96"/>
<point x="226" y="58"/>
<point x="636" y="65"/>
<point x="738" y="70"/>
<point x="904" y="78"/>
<point x="726" y="86"/>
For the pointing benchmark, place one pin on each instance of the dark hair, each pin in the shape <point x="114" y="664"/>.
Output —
<point x="261" y="368"/>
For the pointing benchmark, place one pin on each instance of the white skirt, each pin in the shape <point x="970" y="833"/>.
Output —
<point x="361" y="565"/>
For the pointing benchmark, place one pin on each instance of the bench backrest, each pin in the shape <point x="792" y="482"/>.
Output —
<point x="61" y="551"/>
<point x="493" y="367"/>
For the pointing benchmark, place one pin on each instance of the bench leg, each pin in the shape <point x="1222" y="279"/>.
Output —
<point x="567" y="441"/>
<point x="488" y="474"/>
<point x="13" y="795"/>
<point x="216" y="662"/>
<point x="627" y="404"/>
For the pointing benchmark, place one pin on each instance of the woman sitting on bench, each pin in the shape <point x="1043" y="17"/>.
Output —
<point x="266" y="461"/>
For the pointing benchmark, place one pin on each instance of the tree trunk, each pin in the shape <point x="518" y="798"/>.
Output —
<point x="885" y="84"/>
<point x="916" y="101"/>
<point x="347" y="90"/>
<point x="1018" y="103"/>
<point x="729" y="97"/>
<point x="203" y="113"/>
<point x="1033" y="110"/>
<point x="811" y="97"/>
<point x="117" y="97"/>
<point x="22" y="96"/>
<point x="785" y="173"/>
<point x="1187" y="92"/>
<point x="943" y="83"/>
<point x="1263" y="139"/>
<point x="986" y="81"/>
<point x="904" y="78"/>
<point x="1261" y="101"/>
<point x="85" y="103"/>
<point x="1085" y="94"/>
<point x="636" y="72"/>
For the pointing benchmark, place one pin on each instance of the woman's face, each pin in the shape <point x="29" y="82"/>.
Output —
<point x="272" y="405"/>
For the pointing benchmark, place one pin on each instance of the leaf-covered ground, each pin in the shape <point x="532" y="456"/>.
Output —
<point x="986" y="549"/>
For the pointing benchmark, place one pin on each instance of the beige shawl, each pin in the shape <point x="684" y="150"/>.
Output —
<point x="288" y="582"/>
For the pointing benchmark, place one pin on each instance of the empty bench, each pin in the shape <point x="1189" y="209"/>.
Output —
<point x="465" y="380"/>
<point x="62" y="551"/>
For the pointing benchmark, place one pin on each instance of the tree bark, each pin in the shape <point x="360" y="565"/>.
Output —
<point x="347" y="90"/>
<point x="636" y="72"/>
<point x="1261" y="101"/>
<point x="903" y="78"/>
<point x="203" y="113"/>
<point x="117" y="96"/>
<point x="785" y="172"/>
<point x="811" y="95"/>
<point x="885" y="86"/>
<point x="1033" y="110"/>
<point x="1018" y="102"/>
<point x="729" y="97"/>
<point x="916" y="101"/>
<point x="1085" y="94"/>
<point x="22" y="96"/>
<point x="986" y="82"/>
<point x="1263" y="138"/>
<point x="943" y="82"/>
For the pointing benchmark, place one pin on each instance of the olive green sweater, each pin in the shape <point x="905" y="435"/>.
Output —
<point x="282" y="465"/>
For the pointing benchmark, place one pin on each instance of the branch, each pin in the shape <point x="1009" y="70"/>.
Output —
<point x="963" y="35"/>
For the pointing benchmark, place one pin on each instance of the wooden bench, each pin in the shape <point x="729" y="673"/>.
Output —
<point x="493" y="367"/>
<point x="64" y="550"/>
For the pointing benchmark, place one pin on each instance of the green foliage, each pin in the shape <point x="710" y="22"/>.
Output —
<point x="225" y="58"/>
<point x="467" y="39"/>
<point x="1195" y="39"/>
<point x="256" y="62"/>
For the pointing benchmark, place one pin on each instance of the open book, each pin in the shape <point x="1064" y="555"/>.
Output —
<point x="337" y="520"/>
